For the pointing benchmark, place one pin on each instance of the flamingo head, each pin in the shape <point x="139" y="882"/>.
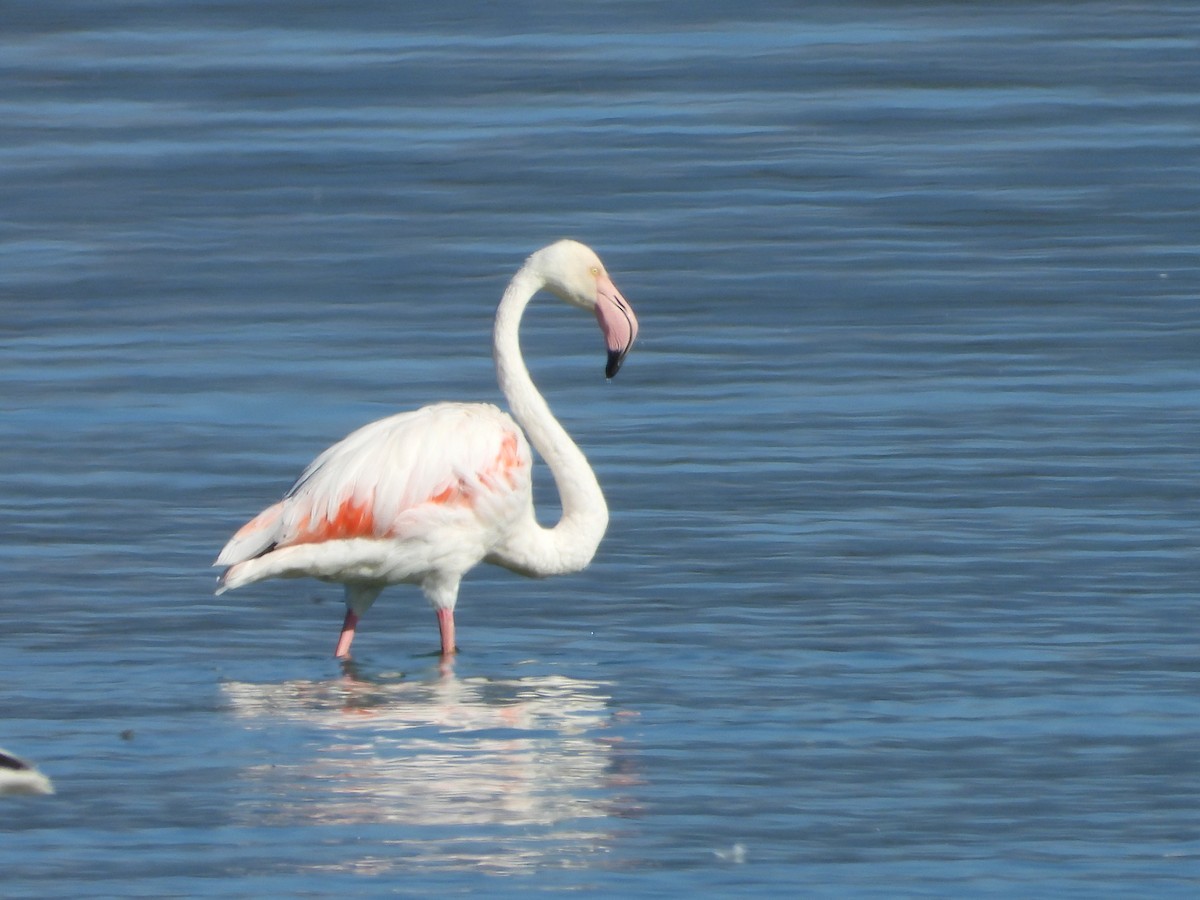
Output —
<point x="574" y="272"/>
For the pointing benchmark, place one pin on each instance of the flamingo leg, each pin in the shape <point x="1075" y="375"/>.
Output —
<point x="446" y="626"/>
<point x="347" y="635"/>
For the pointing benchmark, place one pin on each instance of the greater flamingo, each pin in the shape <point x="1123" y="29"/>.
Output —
<point x="421" y="497"/>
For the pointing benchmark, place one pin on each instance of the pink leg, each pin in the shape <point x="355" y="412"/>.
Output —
<point x="446" y="625"/>
<point x="347" y="635"/>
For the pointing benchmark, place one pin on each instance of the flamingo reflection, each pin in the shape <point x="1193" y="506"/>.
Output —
<point x="501" y="772"/>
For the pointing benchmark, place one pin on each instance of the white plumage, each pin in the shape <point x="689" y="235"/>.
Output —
<point x="421" y="497"/>
<point x="19" y="777"/>
<point x="383" y="494"/>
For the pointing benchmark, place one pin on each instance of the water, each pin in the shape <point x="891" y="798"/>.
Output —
<point x="899" y="592"/>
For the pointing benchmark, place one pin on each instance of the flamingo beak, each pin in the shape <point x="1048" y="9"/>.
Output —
<point x="617" y="322"/>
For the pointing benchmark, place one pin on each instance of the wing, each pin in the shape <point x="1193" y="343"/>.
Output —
<point x="452" y="461"/>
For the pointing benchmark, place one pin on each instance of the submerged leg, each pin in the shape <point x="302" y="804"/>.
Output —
<point x="442" y="592"/>
<point x="446" y="626"/>
<point x="358" y="601"/>
<point x="342" y="651"/>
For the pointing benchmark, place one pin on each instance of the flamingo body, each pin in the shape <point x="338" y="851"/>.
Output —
<point x="421" y="497"/>
<point x="379" y="508"/>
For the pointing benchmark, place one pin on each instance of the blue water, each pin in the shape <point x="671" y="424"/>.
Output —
<point x="898" y="598"/>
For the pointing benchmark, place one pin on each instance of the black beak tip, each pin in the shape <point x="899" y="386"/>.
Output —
<point x="615" y="358"/>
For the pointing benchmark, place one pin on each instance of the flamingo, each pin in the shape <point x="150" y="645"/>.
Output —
<point x="422" y="497"/>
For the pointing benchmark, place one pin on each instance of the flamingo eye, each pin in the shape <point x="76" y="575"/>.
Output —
<point x="595" y="271"/>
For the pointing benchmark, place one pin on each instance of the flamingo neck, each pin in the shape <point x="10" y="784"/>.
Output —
<point x="570" y="545"/>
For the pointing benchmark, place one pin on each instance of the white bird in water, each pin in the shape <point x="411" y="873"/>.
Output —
<point x="20" y="777"/>
<point x="421" y="497"/>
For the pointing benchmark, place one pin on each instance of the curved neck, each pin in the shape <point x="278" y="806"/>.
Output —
<point x="570" y="544"/>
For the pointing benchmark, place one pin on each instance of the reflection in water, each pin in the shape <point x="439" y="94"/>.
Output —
<point x="500" y="775"/>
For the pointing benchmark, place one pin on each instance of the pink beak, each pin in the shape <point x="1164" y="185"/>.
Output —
<point x="617" y="322"/>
